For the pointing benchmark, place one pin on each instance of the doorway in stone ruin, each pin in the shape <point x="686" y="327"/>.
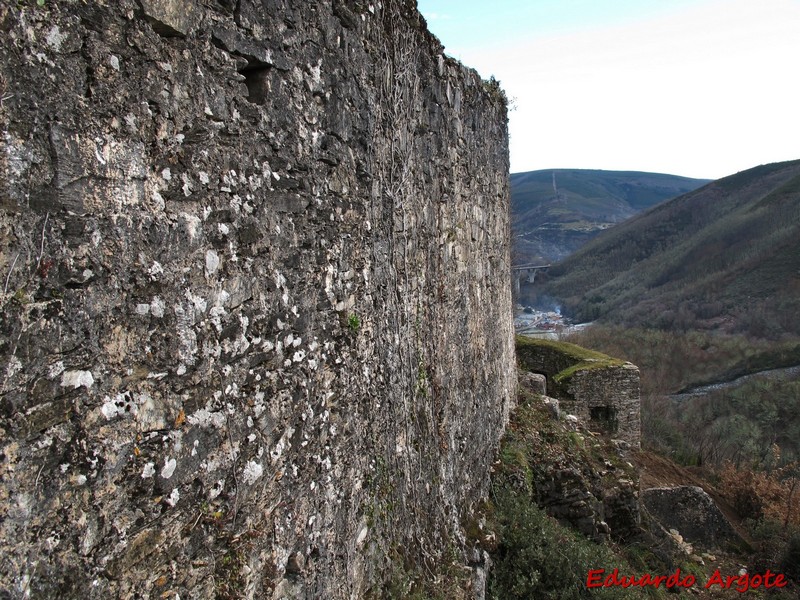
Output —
<point x="604" y="417"/>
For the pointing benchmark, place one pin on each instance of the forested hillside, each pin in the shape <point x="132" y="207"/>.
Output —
<point x="556" y="211"/>
<point x="723" y="257"/>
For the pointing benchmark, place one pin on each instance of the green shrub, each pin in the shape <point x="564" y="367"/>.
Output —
<point x="540" y="559"/>
<point x="790" y="561"/>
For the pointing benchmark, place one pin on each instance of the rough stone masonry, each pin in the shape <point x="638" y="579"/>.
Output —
<point x="256" y="336"/>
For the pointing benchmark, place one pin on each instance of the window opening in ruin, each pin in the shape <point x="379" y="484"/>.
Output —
<point x="257" y="82"/>
<point x="255" y="69"/>
<point x="605" y="417"/>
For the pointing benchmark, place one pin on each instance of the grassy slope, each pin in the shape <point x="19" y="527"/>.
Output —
<point x="724" y="254"/>
<point x="588" y="202"/>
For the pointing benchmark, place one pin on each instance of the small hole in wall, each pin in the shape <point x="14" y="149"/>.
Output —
<point x="256" y="78"/>
<point x="605" y="417"/>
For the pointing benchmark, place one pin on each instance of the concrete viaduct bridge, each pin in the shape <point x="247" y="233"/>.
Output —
<point x="526" y="273"/>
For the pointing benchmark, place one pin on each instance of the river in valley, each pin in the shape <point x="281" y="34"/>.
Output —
<point x="783" y="373"/>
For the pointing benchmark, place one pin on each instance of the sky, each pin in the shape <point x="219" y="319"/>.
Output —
<point x="699" y="88"/>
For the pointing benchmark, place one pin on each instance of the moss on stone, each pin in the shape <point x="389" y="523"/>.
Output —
<point x="581" y="358"/>
<point x="587" y="365"/>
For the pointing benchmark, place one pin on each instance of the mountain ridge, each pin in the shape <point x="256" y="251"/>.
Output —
<point x="722" y="255"/>
<point x="556" y="211"/>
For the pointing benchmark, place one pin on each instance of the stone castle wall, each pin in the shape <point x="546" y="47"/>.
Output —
<point x="256" y="323"/>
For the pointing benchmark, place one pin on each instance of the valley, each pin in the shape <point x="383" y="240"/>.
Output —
<point x="548" y="324"/>
<point x="768" y="374"/>
<point x="724" y="257"/>
<point x="556" y="211"/>
<point x="702" y="293"/>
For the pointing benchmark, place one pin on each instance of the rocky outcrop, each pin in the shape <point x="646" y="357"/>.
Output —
<point x="578" y="477"/>
<point x="600" y="501"/>
<point x="535" y="383"/>
<point x="692" y="512"/>
<point x="256" y="323"/>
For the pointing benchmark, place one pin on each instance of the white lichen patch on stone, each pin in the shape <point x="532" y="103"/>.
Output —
<point x="55" y="38"/>
<point x="176" y="436"/>
<point x="148" y="471"/>
<point x="155" y="270"/>
<point x="76" y="379"/>
<point x="13" y="367"/>
<point x="191" y="225"/>
<point x="259" y="407"/>
<point x="222" y="298"/>
<point x="252" y="472"/>
<point x="119" y="405"/>
<point x="282" y="444"/>
<point x="169" y="468"/>
<point x="149" y="412"/>
<point x="212" y="262"/>
<point x="216" y="314"/>
<point x="173" y="498"/>
<point x="130" y="122"/>
<point x="206" y="418"/>
<point x="157" y="307"/>
<point x="216" y="490"/>
<point x="199" y="303"/>
<point x="362" y="535"/>
<point x="187" y="185"/>
<point x="55" y="369"/>
<point x="158" y="200"/>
